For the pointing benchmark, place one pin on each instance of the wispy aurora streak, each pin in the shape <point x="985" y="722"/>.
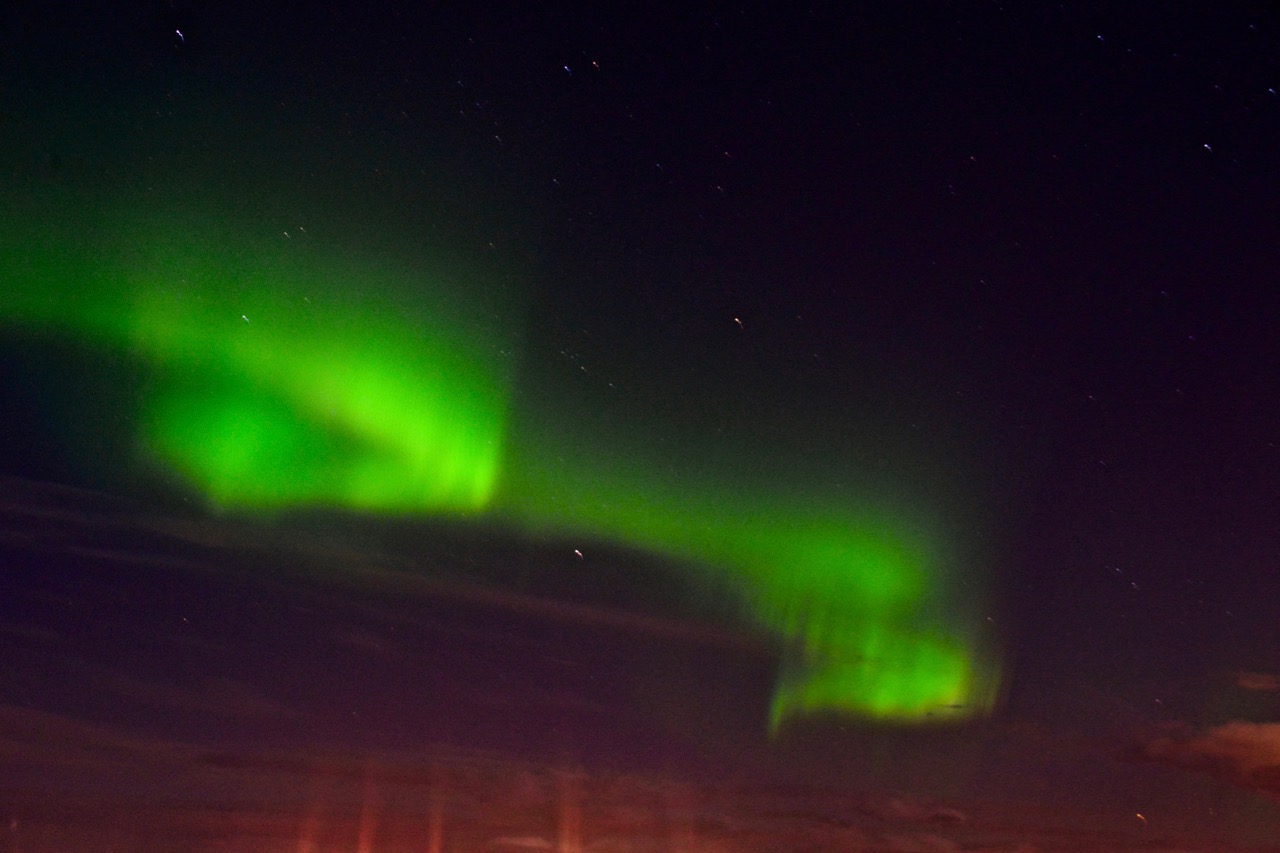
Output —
<point x="854" y="592"/>
<point x="286" y="377"/>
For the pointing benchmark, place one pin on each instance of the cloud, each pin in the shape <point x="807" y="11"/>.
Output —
<point x="1244" y="754"/>
<point x="1260" y="681"/>
<point x="920" y="843"/>
<point x="222" y="697"/>
<point x="911" y="809"/>
<point x="34" y="738"/>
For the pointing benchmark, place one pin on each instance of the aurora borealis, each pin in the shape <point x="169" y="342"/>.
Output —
<point x="283" y="374"/>
<point x="856" y="593"/>
<point x="745" y="427"/>
<point x="276" y="380"/>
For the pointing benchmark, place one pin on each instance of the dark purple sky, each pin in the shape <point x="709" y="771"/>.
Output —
<point x="1030" y="248"/>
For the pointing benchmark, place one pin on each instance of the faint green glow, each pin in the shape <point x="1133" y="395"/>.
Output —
<point x="283" y="376"/>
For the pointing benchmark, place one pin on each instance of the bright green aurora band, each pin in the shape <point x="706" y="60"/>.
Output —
<point x="282" y="376"/>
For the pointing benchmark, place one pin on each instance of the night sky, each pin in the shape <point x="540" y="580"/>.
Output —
<point x="574" y="342"/>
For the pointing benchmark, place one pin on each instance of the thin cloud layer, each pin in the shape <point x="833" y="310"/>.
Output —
<point x="39" y="739"/>
<point x="1263" y="682"/>
<point x="1244" y="754"/>
<point x="160" y="794"/>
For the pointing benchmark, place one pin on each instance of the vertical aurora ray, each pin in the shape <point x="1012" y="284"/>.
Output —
<point x="856" y="595"/>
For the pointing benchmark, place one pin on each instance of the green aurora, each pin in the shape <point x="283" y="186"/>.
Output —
<point x="285" y="376"/>
<point x="279" y="381"/>
<point x="853" y="592"/>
